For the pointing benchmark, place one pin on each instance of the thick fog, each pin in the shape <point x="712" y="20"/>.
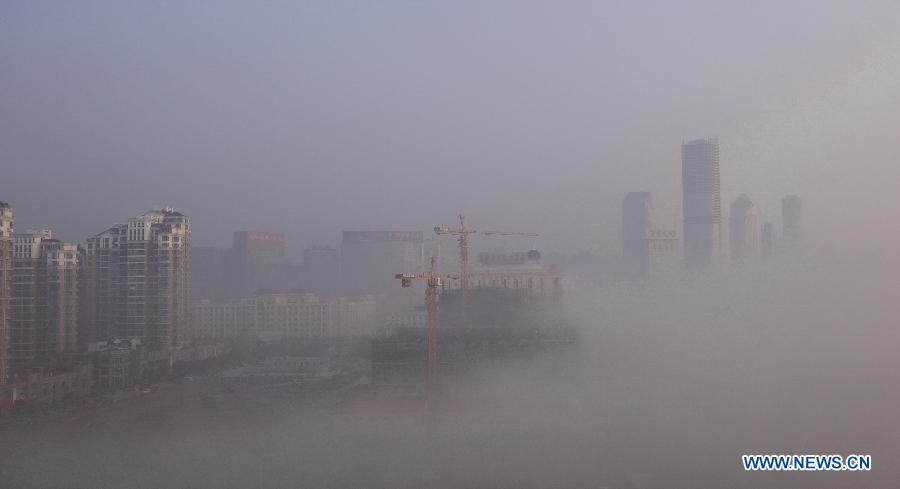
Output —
<point x="316" y="117"/>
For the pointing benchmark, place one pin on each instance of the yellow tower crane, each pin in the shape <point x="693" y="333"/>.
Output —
<point x="433" y="284"/>
<point x="462" y="233"/>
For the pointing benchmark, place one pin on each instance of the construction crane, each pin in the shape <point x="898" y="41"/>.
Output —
<point x="433" y="283"/>
<point x="462" y="233"/>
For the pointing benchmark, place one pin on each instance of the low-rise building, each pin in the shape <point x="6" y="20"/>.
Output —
<point x="277" y="316"/>
<point x="45" y="388"/>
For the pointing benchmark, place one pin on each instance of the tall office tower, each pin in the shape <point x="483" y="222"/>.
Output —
<point x="701" y="202"/>
<point x="6" y="249"/>
<point x="44" y="300"/>
<point x="768" y="240"/>
<point x="257" y="261"/>
<point x="321" y="270"/>
<point x="370" y="259"/>
<point x="792" y="218"/>
<point x="636" y="207"/>
<point x="743" y="223"/>
<point x="137" y="280"/>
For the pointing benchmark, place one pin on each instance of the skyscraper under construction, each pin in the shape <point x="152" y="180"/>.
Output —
<point x="702" y="202"/>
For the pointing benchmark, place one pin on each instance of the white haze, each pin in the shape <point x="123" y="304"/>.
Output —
<point x="315" y="117"/>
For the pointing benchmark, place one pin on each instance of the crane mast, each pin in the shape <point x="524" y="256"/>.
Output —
<point x="462" y="233"/>
<point x="433" y="284"/>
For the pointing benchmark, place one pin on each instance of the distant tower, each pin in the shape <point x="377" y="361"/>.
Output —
<point x="6" y="250"/>
<point x="257" y="260"/>
<point x="767" y="240"/>
<point x="701" y="201"/>
<point x="792" y="218"/>
<point x="636" y="207"/>
<point x="743" y="224"/>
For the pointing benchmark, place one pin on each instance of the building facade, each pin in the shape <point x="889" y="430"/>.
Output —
<point x="6" y="251"/>
<point x="257" y="261"/>
<point x="743" y="224"/>
<point x="136" y="279"/>
<point x="102" y="290"/>
<point x="664" y="251"/>
<point x="280" y="316"/>
<point x="701" y="202"/>
<point x="44" y="300"/>
<point x="223" y="320"/>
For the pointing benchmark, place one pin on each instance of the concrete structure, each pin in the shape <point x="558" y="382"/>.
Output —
<point x="636" y="208"/>
<point x="370" y="259"/>
<point x="353" y="317"/>
<point x="137" y="280"/>
<point x="115" y="363"/>
<point x="743" y="224"/>
<point x="279" y="315"/>
<point x="283" y="316"/>
<point x="41" y="388"/>
<point x="223" y="320"/>
<point x="102" y="290"/>
<point x="664" y="253"/>
<point x="120" y="363"/>
<point x="509" y="258"/>
<point x="701" y="202"/>
<point x="44" y="300"/>
<point x="6" y="252"/>
<point x="256" y="261"/>
<point x="792" y="218"/>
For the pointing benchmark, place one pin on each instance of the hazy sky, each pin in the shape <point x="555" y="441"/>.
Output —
<point x="313" y="117"/>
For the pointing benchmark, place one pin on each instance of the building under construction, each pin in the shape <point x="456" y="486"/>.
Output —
<point x="504" y="313"/>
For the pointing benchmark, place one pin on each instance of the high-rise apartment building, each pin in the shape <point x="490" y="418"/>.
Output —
<point x="701" y="202"/>
<point x="137" y="280"/>
<point x="792" y="217"/>
<point x="6" y="242"/>
<point x="102" y="291"/>
<point x="44" y="300"/>
<point x="636" y="208"/>
<point x="743" y="224"/>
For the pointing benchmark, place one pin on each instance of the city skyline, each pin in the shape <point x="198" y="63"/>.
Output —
<point x="441" y="245"/>
<point x="308" y="150"/>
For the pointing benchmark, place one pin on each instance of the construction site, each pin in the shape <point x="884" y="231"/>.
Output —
<point x="508" y="307"/>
